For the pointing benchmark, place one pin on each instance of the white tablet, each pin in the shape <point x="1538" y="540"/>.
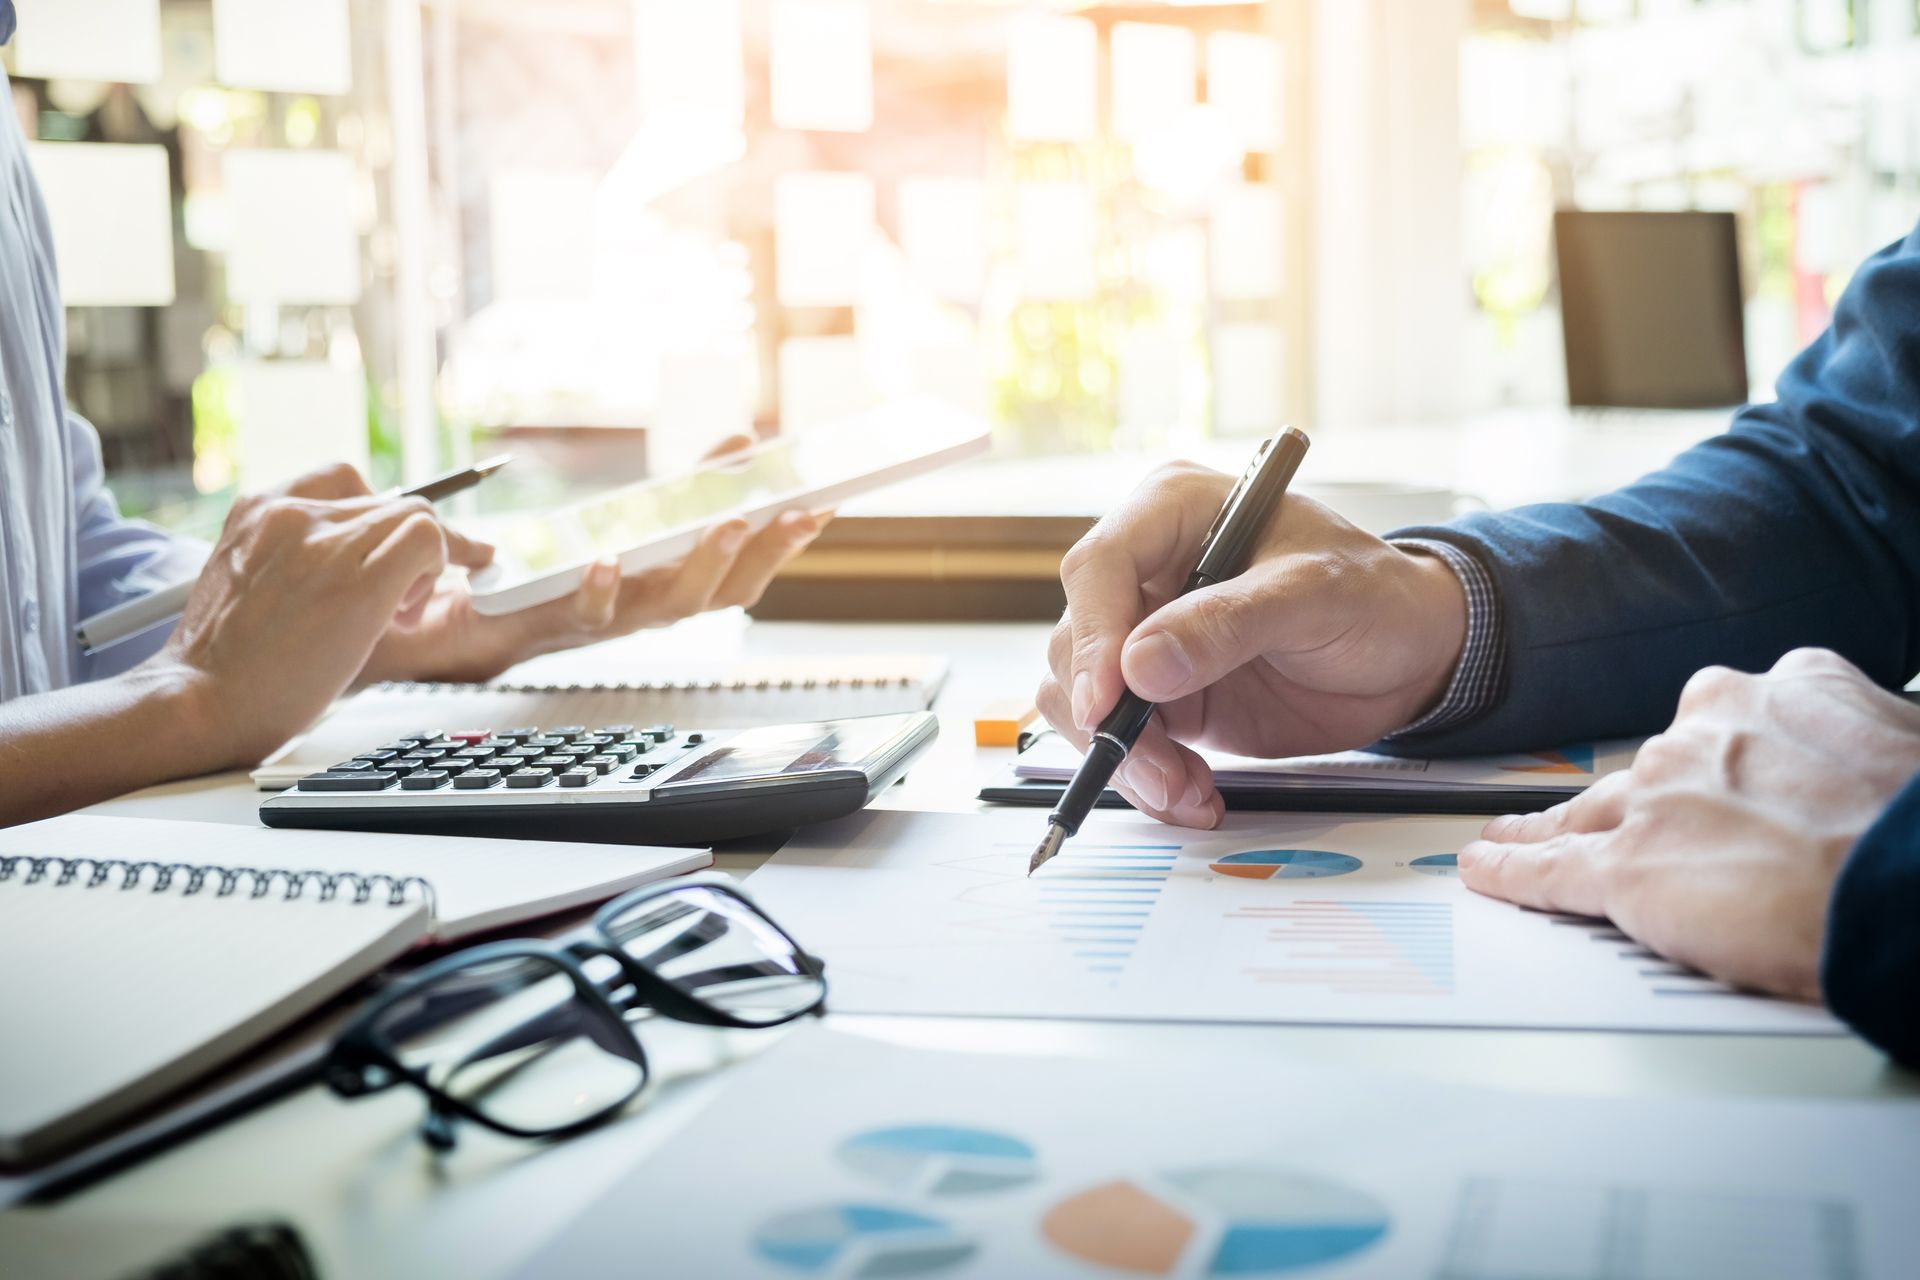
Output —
<point x="543" y="556"/>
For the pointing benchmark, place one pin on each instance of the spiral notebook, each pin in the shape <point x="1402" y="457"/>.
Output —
<point x="745" y="694"/>
<point x="140" y="954"/>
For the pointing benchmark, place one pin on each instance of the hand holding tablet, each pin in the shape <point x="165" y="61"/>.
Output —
<point x="545" y="556"/>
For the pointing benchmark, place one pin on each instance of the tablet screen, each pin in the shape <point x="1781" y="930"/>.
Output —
<point x="814" y="468"/>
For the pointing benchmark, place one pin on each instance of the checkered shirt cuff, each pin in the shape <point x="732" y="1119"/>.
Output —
<point x="1475" y="686"/>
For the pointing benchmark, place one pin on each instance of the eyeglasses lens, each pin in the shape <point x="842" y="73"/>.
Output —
<point x="712" y="945"/>
<point x="512" y="1039"/>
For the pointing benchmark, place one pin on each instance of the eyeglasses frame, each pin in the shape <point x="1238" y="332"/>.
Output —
<point x="359" y="1048"/>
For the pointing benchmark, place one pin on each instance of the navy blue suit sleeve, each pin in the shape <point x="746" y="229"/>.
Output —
<point x="1871" y="970"/>
<point x="1798" y="526"/>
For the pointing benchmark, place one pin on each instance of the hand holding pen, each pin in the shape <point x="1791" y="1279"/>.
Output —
<point x="1223" y="555"/>
<point x="122" y="622"/>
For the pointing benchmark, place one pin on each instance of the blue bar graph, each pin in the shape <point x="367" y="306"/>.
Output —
<point x="1097" y="898"/>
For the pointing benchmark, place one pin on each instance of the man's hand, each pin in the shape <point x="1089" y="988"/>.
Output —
<point x="449" y="640"/>
<point x="1719" y="848"/>
<point x="1331" y="639"/>
<point x="301" y="586"/>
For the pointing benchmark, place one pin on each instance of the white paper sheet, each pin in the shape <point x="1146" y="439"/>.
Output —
<point x="111" y="208"/>
<point x="821" y="65"/>
<point x="541" y="229"/>
<point x="689" y="60"/>
<point x="822" y="380"/>
<point x="1154" y="76"/>
<point x="823" y="226"/>
<point x="1057" y="223"/>
<point x="1569" y="769"/>
<point x="838" y="1156"/>
<point x="1249" y="373"/>
<point x="294" y="241"/>
<point x="1274" y="918"/>
<point x="1151" y="380"/>
<point x="283" y="46"/>
<point x="1247" y="242"/>
<point x="116" y="40"/>
<point x="704" y="396"/>
<point x="1053" y="78"/>
<point x="296" y="415"/>
<point x="943" y="232"/>
<point x="1244" y="80"/>
<point x="953" y="372"/>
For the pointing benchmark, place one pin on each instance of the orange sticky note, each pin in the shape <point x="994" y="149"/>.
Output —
<point x="999" y="725"/>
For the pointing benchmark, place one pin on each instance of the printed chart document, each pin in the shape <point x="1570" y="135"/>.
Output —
<point x="1273" y="918"/>
<point x="895" y="1162"/>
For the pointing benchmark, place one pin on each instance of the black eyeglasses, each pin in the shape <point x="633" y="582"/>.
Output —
<point x="535" y="1039"/>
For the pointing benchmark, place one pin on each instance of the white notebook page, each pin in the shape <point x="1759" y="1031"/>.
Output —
<point x="116" y="995"/>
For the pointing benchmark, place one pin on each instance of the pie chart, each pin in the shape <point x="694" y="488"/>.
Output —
<point x="1285" y="864"/>
<point x="1220" y="1221"/>
<point x="940" y="1160"/>
<point x="1438" y="864"/>
<point x="1565" y="760"/>
<point x="862" y="1240"/>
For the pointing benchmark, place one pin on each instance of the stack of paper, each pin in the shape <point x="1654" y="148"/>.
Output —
<point x="891" y="1161"/>
<point x="1352" y="781"/>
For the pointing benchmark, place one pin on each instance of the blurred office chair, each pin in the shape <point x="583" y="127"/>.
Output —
<point x="1652" y="309"/>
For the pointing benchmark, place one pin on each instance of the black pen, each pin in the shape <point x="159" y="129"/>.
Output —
<point x="1223" y="555"/>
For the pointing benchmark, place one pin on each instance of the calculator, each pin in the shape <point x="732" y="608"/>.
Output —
<point x="656" y="784"/>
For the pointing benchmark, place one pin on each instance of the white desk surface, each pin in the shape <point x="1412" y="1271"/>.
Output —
<point x="371" y="1202"/>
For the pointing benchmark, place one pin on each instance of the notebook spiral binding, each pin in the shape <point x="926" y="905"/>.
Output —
<point x="221" y="881"/>
<point x="760" y="684"/>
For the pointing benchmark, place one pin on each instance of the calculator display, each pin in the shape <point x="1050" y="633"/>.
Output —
<point x="788" y="750"/>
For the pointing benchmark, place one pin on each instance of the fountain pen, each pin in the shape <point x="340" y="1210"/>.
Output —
<point x="1223" y="555"/>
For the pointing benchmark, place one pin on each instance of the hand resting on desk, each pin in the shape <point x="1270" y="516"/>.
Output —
<point x="1720" y="847"/>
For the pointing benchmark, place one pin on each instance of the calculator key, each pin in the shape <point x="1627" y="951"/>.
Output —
<point x="426" y="780"/>
<point x="398" y="768"/>
<point x="520" y="734"/>
<point x="352" y="766"/>
<point x="427" y="755"/>
<point x="594" y="740"/>
<point x="469" y="736"/>
<point x="641" y="770"/>
<point x="659" y="732"/>
<point x="521" y="755"/>
<point x="401" y="746"/>
<point x="496" y="743"/>
<point x="614" y="730"/>
<point x="547" y="741"/>
<point x="555" y="762"/>
<point x="529" y="778"/>
<point x="333" y="780"/>
<point x="476" y="780"/>
<point x="478" y="755"/>
<point x="695" y="739"/>
<point x="567" y="731"/>
<point x="578" y="749"/>
<point x="630" y="748"/>
<point x="578" y="778"/>
<point x="602" y="765"/>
